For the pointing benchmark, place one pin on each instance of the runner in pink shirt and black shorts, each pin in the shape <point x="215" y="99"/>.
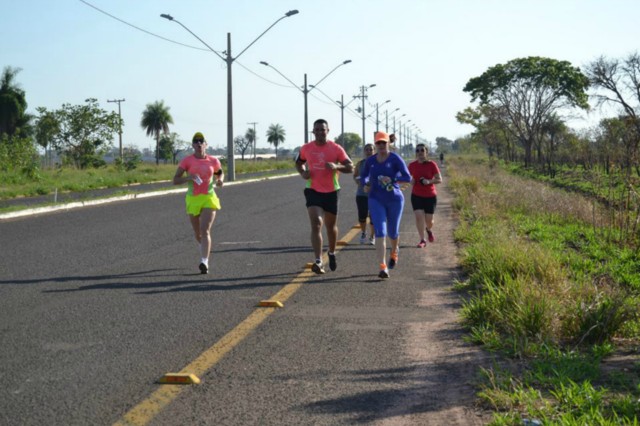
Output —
<point x="320" y="163"/>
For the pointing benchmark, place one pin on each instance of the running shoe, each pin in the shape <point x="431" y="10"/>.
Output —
<point x="393" y="259"/>
<point x="372" y="240"/>
<point x="384" y="272"/>
<point x="363" y="238"/>
<point x="317" y="267"/>
<point x="333" y="265"/>
<point x="422" y="244"/>
<point x="431" y="237"/>
<point x="204" y="269"/>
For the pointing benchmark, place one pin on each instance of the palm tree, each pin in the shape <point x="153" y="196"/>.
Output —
<point x="155" y="120"/>
<point x="13" y="103"/>
<point x="250" y="136"/>
<point x="275" y="136"/>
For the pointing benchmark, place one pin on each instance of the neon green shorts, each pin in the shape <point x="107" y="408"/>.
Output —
<point x="195" y="203"/>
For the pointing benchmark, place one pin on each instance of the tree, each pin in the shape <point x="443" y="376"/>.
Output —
<point x="155" y="120"/>
<point x="528" y="90"/>
<point x="492" y="130"/>
<point x="275" y="136"/>
<point x="251" y="136"/>
<point x="617" y="143"/>
<point x="351" y="142"/>
<point x="554" y="133"/>
<point x="84" y="132"/>
<point x="18" y="153"/>
<point x="242" y="144"/>
<point x="617" y="82"/>
<point x="47" y="128"/>
<point x="13" y="103"/>
<point x="443" y="145"/>
<point x="170" y="146"/>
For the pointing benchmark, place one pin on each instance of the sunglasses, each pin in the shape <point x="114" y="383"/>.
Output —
<point x="199" y="141"/>
<point x="420" y="150"/>
<point x="381" y="142"/>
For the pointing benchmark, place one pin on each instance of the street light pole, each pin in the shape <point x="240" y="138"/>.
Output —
<point x="119" y="101"/>
<point x="255" y="139"/>
<point x="363" y="95"/>
<point x="377" y="107"/>
<point x="342" y="106"/>
<point x="386" y="124"/>
<point x="228" y="59"/>
<point x="342" y="119"/>
<point x="306" y="110"/>
<point x="305" y="91"/>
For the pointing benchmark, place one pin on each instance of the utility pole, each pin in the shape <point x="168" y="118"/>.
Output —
<point x="255" y="138"/>
<point x="363" y="96"/>
<point x="120" y="123"/>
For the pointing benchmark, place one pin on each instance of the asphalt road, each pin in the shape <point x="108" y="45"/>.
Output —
<point x="97" y="303"/>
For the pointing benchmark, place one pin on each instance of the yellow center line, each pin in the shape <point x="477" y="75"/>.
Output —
<point x="146" y="410"/>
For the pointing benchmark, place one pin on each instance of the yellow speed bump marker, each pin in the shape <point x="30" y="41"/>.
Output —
<point x="179" y="379"/>
<point x="355" y="226"/>
<point x="271" y="304"/>
<point x="342" y="243"/>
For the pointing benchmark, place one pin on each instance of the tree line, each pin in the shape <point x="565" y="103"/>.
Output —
<point x="81" y="135"/>
<point x="520" y="115"/>
<point x="520" y="106"/>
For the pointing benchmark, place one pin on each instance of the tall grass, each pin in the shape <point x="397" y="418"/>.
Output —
<point x="544" y="287"/>
<point x="616" y="189"/>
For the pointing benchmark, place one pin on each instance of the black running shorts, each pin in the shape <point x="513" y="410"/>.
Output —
<point x="424" y="203"/>
<point x="328" y="201"/>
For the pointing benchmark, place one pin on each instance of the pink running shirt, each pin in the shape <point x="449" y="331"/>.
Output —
<point x="205" y="168"/>
<point x="322" y="179"/>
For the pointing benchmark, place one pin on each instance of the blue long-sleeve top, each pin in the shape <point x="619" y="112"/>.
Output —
<point x="384" y="177"/>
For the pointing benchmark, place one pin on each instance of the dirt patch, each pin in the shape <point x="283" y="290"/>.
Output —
<point x="445" y="367"/>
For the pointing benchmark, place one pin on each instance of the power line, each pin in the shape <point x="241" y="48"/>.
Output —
<point x="175" y="42"/>
<point x="141" y="29"/>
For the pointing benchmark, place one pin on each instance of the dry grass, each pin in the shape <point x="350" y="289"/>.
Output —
<point x="504" y="191"/>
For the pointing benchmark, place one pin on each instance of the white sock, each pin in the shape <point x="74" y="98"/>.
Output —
<point x="204" y="260"/>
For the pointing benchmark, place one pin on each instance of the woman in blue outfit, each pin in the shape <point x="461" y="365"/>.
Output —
<point x="385" y="175"/>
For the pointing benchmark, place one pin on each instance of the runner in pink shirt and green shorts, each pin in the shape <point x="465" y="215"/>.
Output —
<point x="202" y="173"/>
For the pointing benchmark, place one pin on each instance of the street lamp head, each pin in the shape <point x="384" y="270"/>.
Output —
<point x="372" y="85"/>
<point x="291" y="13"/>
<point x="348" y="61"/>
<point x="167" y="16"/>
<point x="387" y="101"/>
<point x="264" y="63"/>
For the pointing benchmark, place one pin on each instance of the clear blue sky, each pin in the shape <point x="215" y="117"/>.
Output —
<point x="419" y="53"/>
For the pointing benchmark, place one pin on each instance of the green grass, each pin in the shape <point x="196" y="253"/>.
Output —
<point x="553" y="287"/>
<point x="66" y="179"/>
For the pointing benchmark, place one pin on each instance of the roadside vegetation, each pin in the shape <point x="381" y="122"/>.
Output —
<point x="45" y="181"/>
<point x="553" y="286"/>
